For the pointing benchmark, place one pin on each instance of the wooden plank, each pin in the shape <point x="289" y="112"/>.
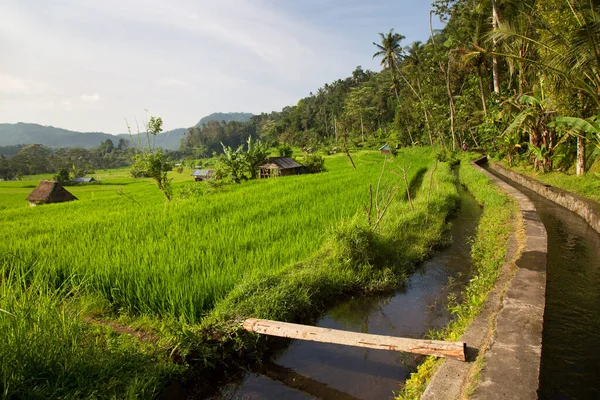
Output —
<point x="437" y="348"/>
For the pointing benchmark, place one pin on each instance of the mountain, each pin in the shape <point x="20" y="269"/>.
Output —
<point x="26" y="133"/>
<point x="227" y="117"/>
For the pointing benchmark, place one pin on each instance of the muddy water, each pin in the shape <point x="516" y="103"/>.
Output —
<point x="570" y="367"/>
<point x="316" y="370"/>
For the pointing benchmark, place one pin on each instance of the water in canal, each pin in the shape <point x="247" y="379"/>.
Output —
<point x="570" y="367"/>
<point x="316" y="370"/>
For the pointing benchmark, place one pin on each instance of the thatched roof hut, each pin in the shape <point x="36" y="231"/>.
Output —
<point x="281" y="166"/>
<point x="49" y="192"/>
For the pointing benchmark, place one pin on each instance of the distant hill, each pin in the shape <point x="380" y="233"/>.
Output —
<point x="227" y="117"/>
<point x="26" y="133"/>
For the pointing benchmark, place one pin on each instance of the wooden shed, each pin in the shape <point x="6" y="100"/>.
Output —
<point x="203" y="174"/>
<point x="385" y="149"/>
<point x="49" y="192"/>
<point x="280" y="166"/>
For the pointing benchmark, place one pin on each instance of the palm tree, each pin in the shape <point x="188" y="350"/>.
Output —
<point x="391" y="54"/>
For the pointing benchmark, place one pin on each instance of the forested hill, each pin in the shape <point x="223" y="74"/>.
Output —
<point x="227" y="117"/>
<point x="28" y="133"/>
<point x="25" y="133"/>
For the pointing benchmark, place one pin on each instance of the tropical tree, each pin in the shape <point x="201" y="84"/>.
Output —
<point x="391" y="53"/>
<point x="534" y="119"/>
<point x="255" y="156"/>
<point x="581" y="129"/>
<point x="233" y="162"/>
<point x="150" y="161"/>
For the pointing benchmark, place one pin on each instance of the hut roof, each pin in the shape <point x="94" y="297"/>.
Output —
<point x="83" y="180"/>
<point x="203" y="173"/>
<point x="385" y="147"/>
<point x="281" y="163"/>
<point x="50" y="192"/>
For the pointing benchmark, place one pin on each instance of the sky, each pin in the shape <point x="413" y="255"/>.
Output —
<point x="87" y="65"/>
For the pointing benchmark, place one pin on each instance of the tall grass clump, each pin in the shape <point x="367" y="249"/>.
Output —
<point x="46" y="351"/>
<point x="488" y="253"/>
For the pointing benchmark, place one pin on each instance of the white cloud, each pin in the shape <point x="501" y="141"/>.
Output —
<point x="10" y="84"/>
<point x="67" y="105"/>
<point x="40" y="105"/>
<point x="170" y="81"/>
<point x="90" y="98"/>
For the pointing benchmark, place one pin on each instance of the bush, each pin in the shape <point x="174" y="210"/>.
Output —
<point x="62" y="176"/>
<point x="314" y="163"/>
<point x="448" y="156"/>
<point x="285" y="150"/>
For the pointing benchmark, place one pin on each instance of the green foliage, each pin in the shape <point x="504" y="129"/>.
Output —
<point x="49" y="351"/>
<point x="150" y="162"/>
<point x="62" y="176"/>
<point x="449" y="156"/>
<point x="233" y="162"/>
<point x="256" y="155"/>
<point x="285" y="150"/>
<point x="313" y="162"/>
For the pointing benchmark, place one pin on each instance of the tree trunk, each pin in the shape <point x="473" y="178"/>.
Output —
<point x="335" y="130"/>
<point x="420" y="98"/>
<point x="481" y="91"/>
<point x="451" y="99"/>
<point x="580" y="167"/>
<point x="495" y="22"/>
<point x="362" y="128"/>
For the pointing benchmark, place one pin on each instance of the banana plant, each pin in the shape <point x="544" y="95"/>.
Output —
<point x="582" y="129"/>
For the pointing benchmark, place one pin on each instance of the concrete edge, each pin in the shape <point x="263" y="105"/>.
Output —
<point x="507" y="333"/>
<point x="588" y="209"/>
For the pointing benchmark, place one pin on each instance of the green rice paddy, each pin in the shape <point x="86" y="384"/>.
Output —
<point x="177" y="259"/>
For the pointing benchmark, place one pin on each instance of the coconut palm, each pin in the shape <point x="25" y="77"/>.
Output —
<point x="391" y="54"/>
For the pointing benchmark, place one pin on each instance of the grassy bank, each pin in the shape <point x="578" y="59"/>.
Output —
<point x="86" y="339"/>
<point x="488" y="253"/>
<point x="587" y="185"/>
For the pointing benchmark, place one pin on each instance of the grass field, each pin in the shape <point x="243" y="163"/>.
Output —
<point x="587" y="185"/>
<point x="280" y="247"/>
<point x="177" y="259"/>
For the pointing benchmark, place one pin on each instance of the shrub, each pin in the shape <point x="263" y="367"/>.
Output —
<point x="314" y="163"/>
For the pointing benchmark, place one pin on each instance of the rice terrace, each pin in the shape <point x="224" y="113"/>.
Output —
<point x="426" y="227"/>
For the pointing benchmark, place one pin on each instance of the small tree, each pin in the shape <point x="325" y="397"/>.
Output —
<point x="151" y="162"/>
<point x="285" y="150"/>
<point x="314" y="163"/>
<point x="62" y="176"/>
<point x="233" y="162"/>
<point x="255" y="156"/>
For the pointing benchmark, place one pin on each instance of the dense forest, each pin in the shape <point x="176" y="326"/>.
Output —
<point x="519" y="79"/>
<point x="39" y="159"/>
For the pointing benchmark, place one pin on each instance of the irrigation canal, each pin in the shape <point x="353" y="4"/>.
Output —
<point x="570" y="365"/>
<point x="306" y="370"/>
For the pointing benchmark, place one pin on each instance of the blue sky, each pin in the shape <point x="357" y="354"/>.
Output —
<point x="88" y="64"/>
